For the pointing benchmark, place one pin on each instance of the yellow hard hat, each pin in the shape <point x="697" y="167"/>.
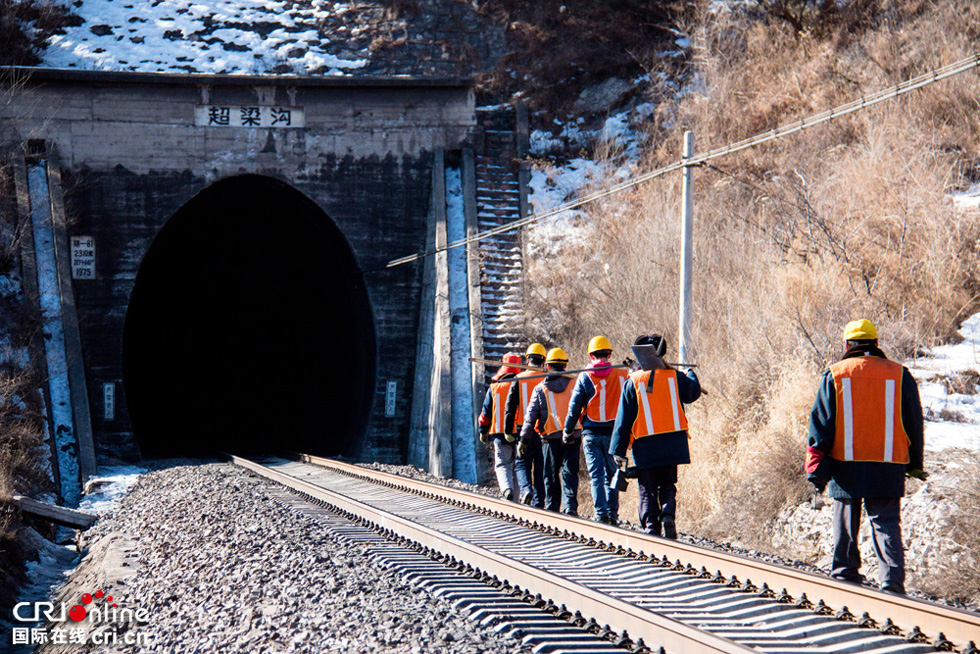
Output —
<point x="535" y="348"/>
<point x="860" y="330"/>
<point x="599" y="343"/>
<point x="556" y="355"/>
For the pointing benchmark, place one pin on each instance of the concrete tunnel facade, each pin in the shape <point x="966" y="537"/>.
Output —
<point x="239" y="294"/>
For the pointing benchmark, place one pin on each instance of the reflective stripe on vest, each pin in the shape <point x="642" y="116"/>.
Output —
<point x="500" y="391"/>
<point x="869" y="421"/>
<point x="554" y="422"/>
<point x="526" y="387"/>
<point x="659" y="409"/>
<point x="557" y="410"/>
<point x="604" y="404"/>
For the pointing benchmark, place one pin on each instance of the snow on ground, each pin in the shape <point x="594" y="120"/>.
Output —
<point x="208" y="36"/>
<point x="968" y="199"/>
<point x="55" y="562"/>
<point x="105" y="491"/>
<point x="952" y="416"/>
<point x="620" y="137"/>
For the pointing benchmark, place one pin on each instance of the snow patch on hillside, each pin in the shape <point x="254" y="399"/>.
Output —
<point x="213" y="36"/>
<point x="948" y="389"/>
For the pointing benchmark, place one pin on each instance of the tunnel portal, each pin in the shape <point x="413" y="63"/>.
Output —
<point x="249" y="328"/>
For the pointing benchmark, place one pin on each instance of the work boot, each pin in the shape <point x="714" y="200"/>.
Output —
<point x="894" y="589"/>
<point x="670" y="530"/>
<point x="508" y="494"/>
<point x="574" y="514"/>
<point x="526" y="498"/>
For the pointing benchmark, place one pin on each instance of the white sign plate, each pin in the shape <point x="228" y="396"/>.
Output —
<point x="109" y="401"/>
<point x="229" y="115"/>
<point x="390" y="399"/>
<point x="82" y="257"/>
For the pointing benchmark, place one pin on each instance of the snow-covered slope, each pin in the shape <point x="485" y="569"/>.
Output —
<point x="217" y="36"/>
<point x="304" y="37"/>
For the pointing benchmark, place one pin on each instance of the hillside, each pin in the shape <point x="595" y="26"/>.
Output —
<point x="870" y="215"/>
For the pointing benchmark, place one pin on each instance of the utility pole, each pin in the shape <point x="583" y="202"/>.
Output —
<point x="687" y="228"/>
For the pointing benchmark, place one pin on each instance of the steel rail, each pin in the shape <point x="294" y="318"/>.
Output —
<point x="957" y="625"/>
<point x="621" y="616"/>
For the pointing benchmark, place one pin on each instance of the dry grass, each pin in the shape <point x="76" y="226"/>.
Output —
<point x="958" y="576"/>
<point x="792" y="239"/>
<point x="26" y="26"/>
<point x="22" y="448"/>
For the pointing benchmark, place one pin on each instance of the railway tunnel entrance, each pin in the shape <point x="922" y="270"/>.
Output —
<point x="249" y="328"/>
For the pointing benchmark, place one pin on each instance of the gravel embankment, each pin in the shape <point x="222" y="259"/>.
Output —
<point x="217" y="566"/>
<point x="221" y="568"/>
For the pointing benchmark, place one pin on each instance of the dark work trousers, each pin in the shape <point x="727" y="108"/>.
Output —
<point x="554" y="463"/>
<point x="561" y="464"/>
<point x="885" y="517"/>
<point x="658" y="496"/>
<point x="530" y="473"/>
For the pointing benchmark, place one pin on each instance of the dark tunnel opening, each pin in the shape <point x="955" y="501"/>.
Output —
<point x="249" y="328"/>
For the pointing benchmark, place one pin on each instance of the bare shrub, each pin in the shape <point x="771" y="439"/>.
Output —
<point x="26" y="26"/>
<point x="23" y="451"/>
<point x="957" y="574"/>
<point x="965" y="382"/>
<point x="792" y="239"/>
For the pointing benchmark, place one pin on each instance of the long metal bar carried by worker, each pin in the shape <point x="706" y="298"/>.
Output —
<point x="567" y="373"/>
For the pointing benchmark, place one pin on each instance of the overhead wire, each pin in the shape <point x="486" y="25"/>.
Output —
<point x="864" y="102"/>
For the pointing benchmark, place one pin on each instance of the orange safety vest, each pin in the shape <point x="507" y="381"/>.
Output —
<point x="658" y="405"/>
<point x="525" y="388"/>
<point x="557" y="410"/>
<point x="499" y="391"/>
<point x="869" y="411"/>
<point x="605" y="403"/>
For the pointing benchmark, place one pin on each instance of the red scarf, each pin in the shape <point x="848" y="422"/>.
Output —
<point x="600" y="368"/>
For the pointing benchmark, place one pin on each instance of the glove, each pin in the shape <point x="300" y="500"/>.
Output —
<point x="521" y="448"/>
<point x="620" y="460"/>
<point x="916" y="473"/>
<point x="485" y="437"/>
<point x="567" y="437"/>
<point x="510" y="438"/>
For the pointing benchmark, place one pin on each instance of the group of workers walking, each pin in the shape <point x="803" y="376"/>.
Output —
<point x="538" y="423"/>
<point x="865" y="437"/>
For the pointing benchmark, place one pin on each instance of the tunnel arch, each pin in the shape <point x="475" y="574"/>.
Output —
<point x="249" y="328"/>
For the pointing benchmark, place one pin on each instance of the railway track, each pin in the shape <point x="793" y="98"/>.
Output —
<point x="518" y="565"/>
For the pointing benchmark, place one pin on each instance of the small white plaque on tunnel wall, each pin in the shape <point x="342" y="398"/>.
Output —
<point x="82" y="257"/>
<point x="390" y="399"/>
<point x="214" y="115"/>
<point x="109" y="401"/>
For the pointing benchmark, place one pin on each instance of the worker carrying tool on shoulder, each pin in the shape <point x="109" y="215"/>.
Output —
<point x="529" y="461"/>
<point x="595" y="399"/>
<point x="651" y="422"/>
<point x="545" y="416"/>
<point x="865" y="437"/>
<point x="492" y="426"/>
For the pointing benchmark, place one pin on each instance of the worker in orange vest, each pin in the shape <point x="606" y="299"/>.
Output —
<point x="651" y="422"/>
<point x="595" y="399"/>
<point x="545" y="419"/>
<point x="493" y="431"/>
<point x="529" y="463"/>
<point x="865" y="437"/>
